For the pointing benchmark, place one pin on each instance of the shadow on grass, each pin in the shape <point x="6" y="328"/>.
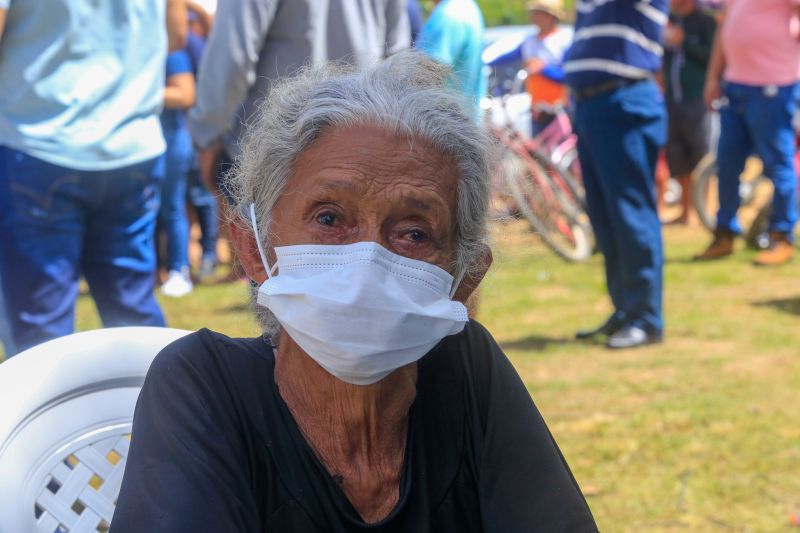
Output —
<point x="786" y="305"/>
<point x="681" y="260"/>
<point x="537" y="342"/>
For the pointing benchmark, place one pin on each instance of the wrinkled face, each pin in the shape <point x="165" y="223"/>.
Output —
<point x="362" y="183"/>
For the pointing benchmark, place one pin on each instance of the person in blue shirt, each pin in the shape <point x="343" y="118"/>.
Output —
<point x="453" y="34"/>
<point x="81" y="87"/>
<point x="175" y="163"/>
<point x="620" y="120"/>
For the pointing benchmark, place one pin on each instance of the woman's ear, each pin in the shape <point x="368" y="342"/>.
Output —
<point x="473" y="278"/>
<point x="244" y="244"/>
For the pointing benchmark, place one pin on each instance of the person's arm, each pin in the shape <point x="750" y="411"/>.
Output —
<point x="796" y="4"/>
<point x="186" y="469"/>
<point x="535" y="65"/>
<point x="531" y="57"/>
<point x="716" y="67"/>
<point x="2" y="21"/>
<point x="180" y="91"/>
<point x="228" y="67"/>
<point x="206" y="19"/>
<point x="177" y="24"/>
<point x="554" y="73"/>
<point x="398" y="27"/>
<point x="524" y="483"/>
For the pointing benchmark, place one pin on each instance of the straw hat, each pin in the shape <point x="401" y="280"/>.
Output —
<point x="553" y="7"/>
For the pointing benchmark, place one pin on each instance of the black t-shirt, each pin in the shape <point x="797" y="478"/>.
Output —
<point x="215" y="449"/>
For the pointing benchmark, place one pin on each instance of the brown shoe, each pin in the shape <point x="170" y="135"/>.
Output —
<point x="780" y="251"/>
<point x="721" y="246"/>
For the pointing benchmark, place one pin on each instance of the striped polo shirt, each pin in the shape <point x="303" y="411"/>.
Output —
<point x="616" y="39"/>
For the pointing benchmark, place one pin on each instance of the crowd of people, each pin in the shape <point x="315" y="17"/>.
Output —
<point x="93" y="169"/>
<point x="647" y="75"/>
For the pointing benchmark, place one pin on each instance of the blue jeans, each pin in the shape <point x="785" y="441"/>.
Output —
<point x="174" y="165"/>
<point x="205" y="203"/>
<point x="58" y="224"/>
<point x="758" y="120"/>
<point x="619" y="136"/>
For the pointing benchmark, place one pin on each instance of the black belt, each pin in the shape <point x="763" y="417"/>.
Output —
<point x="606" y="87"/>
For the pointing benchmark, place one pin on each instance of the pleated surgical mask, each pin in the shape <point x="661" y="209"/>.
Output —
<point x="359" y="310"/>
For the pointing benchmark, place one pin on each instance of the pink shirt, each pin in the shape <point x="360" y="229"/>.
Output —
<point x="760" y="40"/>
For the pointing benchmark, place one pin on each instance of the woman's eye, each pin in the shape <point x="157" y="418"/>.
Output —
<point x="326" y="219"/>
<point x="417" y="235"/>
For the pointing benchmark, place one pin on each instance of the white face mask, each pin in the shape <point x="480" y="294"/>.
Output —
<point x="359" y="310"/>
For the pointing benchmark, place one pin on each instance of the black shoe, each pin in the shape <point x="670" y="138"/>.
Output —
<point x="609" y="327"/>
<point x="632" y="337"/>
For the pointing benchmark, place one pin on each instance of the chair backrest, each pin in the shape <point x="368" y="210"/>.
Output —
<point x="66" y="408"/>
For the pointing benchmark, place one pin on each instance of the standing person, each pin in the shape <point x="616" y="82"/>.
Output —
<point x="255" y="42"/>
<point x="621" y="124"/>
<point x="689" y="39"/>
<point x="81" y="87"/>
<point x="453" y="34"/>
<point x="200" y="197"/>
<point x="543" y="54"/>
<point x="755" y="65"/>
<point x="175" y="164"/>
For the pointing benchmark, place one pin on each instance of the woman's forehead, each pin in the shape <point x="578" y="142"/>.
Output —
<point x="368" y="159"/>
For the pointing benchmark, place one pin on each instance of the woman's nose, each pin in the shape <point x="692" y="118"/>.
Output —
<point x="372" y="229"/>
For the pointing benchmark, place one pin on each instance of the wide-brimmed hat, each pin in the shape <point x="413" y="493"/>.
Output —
<point x="553" y="7"/>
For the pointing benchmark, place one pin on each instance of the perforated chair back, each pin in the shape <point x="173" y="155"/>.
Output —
<point x="66" y="408"/>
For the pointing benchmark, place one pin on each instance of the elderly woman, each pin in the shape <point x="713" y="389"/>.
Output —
<point x="371" y="402"/>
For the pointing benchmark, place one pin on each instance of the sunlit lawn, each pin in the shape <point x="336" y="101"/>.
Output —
<point x="701" y="433"/>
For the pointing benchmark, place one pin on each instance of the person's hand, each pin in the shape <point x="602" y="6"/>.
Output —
<point x="535" y="65"/>
<point x="674" y="36"/>
<point x="204" y="19"/>
<point x="712" y="93"/>
<point x="208" y="159"/>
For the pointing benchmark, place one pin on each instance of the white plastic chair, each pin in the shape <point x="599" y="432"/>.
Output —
<point x="66" y="408"/>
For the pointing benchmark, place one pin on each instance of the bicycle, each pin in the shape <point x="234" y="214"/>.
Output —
<point x="755" y="192"/>
<point x="543" y="192"/>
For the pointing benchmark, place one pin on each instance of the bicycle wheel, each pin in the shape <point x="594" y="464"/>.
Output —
<point x="755" y="191"/>
<point x="560" y="176"/>
<point x="570" y="162"/>
<point x="502" y="205"/>
<point x="551" y="211"/>
<point x="757" y="235"/>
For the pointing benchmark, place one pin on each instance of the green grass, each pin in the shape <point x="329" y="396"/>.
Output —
<point x="701" y="433"/>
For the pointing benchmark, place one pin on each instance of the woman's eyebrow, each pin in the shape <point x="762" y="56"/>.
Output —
<point x="338" y="185"/>
<point x="417" y="203"/>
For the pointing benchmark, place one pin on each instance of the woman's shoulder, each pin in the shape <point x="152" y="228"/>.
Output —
<point x="213" y="356"/>
<point x="478" y="363"/>
<point x="475" y="347"/>
<point x="471" y="357"/>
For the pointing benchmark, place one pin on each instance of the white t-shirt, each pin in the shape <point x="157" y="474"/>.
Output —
<point x="551" y="49"/>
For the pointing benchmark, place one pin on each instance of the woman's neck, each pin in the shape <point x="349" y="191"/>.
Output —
<point x="358" y="432"/>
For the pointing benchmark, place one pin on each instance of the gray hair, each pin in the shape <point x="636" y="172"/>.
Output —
<point x="409" y="94"/>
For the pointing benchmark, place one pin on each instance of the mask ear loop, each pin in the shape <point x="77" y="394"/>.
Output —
<point x="270" y="271"/>
<point x="456" y="283"/>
